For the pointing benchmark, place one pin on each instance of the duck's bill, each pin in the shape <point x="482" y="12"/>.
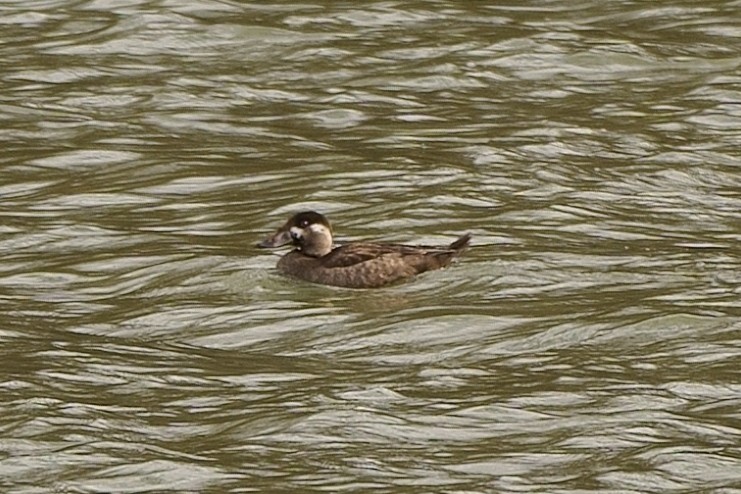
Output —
<point x="277" y="240"/>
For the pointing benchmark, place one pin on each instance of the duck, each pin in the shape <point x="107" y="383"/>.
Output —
<point x="316" y="259"/>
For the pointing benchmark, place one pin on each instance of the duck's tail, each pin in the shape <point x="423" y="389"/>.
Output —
<point x="446" y="256"/>
<point x="461" y="244"/>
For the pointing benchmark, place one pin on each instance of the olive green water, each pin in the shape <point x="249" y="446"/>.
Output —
<point x="590" y="341"/>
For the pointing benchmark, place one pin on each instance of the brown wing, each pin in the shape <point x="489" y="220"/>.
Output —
<point x="370" y="265"/>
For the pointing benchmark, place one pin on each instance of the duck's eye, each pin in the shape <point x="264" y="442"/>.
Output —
<point x="303" y="223"/>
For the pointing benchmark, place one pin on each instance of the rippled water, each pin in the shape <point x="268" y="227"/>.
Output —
<point x="589" y="341"/>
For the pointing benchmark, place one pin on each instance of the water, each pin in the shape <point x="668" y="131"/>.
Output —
<point x="588" y="342"/>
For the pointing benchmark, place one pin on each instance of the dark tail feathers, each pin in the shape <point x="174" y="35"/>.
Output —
<point x="460" y="244"/>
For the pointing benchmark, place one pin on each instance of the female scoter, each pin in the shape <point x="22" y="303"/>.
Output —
<point x="355" y="265"/>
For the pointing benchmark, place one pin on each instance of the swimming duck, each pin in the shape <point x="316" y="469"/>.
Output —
<point x="355" y="265"/>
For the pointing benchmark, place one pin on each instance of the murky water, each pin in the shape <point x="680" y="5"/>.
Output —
<point x="589" y="342"/>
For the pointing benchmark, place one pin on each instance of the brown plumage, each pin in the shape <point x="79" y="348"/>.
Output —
<point x="355" y="265"/>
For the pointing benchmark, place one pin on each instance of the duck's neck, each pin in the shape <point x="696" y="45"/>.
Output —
<point x="313" y="253"/>
<point x="318" y="243"/>
<point x="317" y="250"/>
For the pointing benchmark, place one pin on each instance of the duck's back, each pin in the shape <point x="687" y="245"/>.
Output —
<point x="364" y="265"/>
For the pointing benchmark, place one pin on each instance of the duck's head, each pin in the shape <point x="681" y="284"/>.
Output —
<point x="309" y="231"/>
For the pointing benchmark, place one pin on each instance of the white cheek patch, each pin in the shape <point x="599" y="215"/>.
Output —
<point x="296" y="232"/>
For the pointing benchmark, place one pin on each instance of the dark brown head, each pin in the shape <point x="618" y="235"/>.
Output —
<point x="309" y="231"/>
